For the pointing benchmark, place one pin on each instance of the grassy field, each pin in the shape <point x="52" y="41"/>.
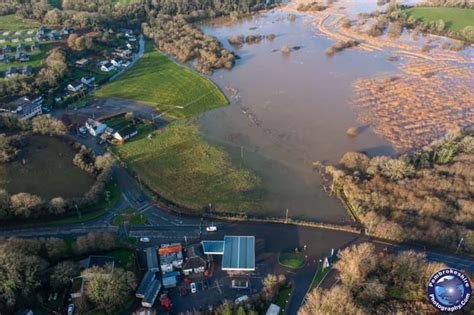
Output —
<point x="455" y="18"/>
<point x="130" y="215"/>
<point x="176" y="163"/>
<point x="174" y="90"/>
<point x="13" y="23"/>
<point x="291" y="260"/>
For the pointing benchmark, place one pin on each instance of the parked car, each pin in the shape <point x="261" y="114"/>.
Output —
<point x="241" y="299"/>
<point x="193" y="288"/>
<point x="211" y="228"/>
<point x="70" y="309"/>
<point x="145" y="239"/>
<point x="183" y="291"/>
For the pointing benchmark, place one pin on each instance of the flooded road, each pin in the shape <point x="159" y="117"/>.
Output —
<point x="288" y="111"/>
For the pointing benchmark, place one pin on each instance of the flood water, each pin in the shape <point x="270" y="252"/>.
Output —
<point x="288" y="111"/>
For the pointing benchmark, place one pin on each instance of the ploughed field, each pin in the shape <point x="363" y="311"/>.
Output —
<point x="174" y="90"/>
<point x="45" y="168"/>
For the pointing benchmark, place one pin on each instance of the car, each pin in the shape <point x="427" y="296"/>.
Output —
<point x="211" y="228"/>
<point x="193" y="288"/>
<point x="241" y="299"/>
<point x="145" y="239"/>
<point x="70" y="309"/>
<point x="183" y="291"/>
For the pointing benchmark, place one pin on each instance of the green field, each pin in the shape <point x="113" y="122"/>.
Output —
<point x="181" y="167"/>
<point x="292" y="260"/>
<point x="176" y="91"/>
<point x="455" y="18"/>
<point x="13" y="23"/>
<point x="35" y="61"/>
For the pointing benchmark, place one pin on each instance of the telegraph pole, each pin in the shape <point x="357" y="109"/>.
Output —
<point x="286" y="219"/>
<point x="459" y="245"/>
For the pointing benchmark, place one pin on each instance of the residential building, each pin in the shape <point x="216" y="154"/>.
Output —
<point x="125" y="133"/>
<point x="25" y="107"/>
<point x="7" y="49"/>
<point x="88" y="80"/>
<point x="75" y="86"/>
<point x="27" y="70"/>
<point x="195" y="261"/>
<point x="116" y="62"/>
<point x="11" y="72"/>
<point x="171" y="257"/>
<point x="107" y="67"/>
<point x="94" y="127"/>
<point x="82" y="62"/>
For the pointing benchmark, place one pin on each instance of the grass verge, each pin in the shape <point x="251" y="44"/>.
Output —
<point x="455" y="18"/>
<point x="130" y="215"/>
<point x="283" y="297"/>
<point x="319" y="275"/>
<point x="174" y="90"/>
<point x="291" y="260"/>
<point x="181" y="167"/>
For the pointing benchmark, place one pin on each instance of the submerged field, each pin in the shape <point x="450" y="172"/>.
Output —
<point x="176" y="163"/>
<point x="45" y="168"/>
<point x="455" y="18"/>
<point x="174" y="90"/>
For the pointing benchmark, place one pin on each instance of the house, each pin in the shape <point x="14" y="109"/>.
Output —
<point x="75" y="86"/>
<point x="171" y="257"/>
<point x="82" y="62"/>
<point x="27" y="70"/>
<point x="41" y="30"/>
<point x="3" y="58"/>
<point x="11" y="72"/>
<point x="88" y="80"/>
<point x="132" y="39"/>
<point x="25" y="107"/>
<point x="94" y="127"/>
<point x="107" y="67"/>
<point x="195" y="261"/>
<point x="7" y="49"/>
<point x="126" y="64"/>
<point x="20" y="48"/>
<point x="152" y="293"/>
<point x="149" y="277"/>
<point x="125" y="133"/>
<point x="116" y="62"/>
<point x="129" y="46"/>
<point x="34" y="46"/>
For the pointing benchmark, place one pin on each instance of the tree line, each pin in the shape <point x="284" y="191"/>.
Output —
<point x="31" y="267"/>
<point x="421" y="196"/>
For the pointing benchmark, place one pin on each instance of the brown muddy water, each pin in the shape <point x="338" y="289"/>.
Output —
<point x="288" y="111"/>
<point x="47" y="170"/>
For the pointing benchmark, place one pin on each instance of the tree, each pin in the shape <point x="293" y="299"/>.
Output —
<point x="355" y="161"/>
<point x="47" y="125"/>
<point x="57" y="205"/>
<point x="24" y="203"/>
<point x="108" y="290"/>
<point x="355" y="263"/>
<point x="336" y="301"/>
<point x="55" y="248"/>
<point x="4" y="203"/>
<point x="63" y="273"/>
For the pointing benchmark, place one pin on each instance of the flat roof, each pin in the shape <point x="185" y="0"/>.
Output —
<point x="239" y="253"/>
<point x="213" y="247"/>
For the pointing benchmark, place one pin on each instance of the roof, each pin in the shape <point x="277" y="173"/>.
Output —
<point x="239" y="253"/>
<point x="273" y="309"/>
<point x="152" y="292"/>
<point x="145" y="283"/>
<point x="127" y="131"/>
<point x="151" y="259"/>
<point x="213" y="247"/>
<point x="169" y="280"/>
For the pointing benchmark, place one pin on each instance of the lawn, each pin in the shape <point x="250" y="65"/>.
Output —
<point x="130" y="215"/>
<point x="455" y="18"/>
<point x="13" y="23"/>
<point x="291" y="260"/>
<point x="175" y="90"/>
<point x="181" y="167"/>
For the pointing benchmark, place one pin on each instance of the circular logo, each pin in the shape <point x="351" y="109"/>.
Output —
<point x="449" y="290"/>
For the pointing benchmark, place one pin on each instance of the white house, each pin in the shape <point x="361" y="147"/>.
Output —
<point x="94" y="127"/>
<point x="116" y="62"/>
<point x="107" y="67"/>
<point x="88" y="80"/>
<point x="75" y="86"/>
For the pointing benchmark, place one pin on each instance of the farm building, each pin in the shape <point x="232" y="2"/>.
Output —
<point x="94" y="127"/>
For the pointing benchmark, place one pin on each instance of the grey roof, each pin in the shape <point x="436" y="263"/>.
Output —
<point x="239" y="253"/>
<point x="145" y="283"/>
<point x="152" y="292"/>
<point x="151" y="259"/>
<point x="213" y="247"/>
<point x="169" y="281"/>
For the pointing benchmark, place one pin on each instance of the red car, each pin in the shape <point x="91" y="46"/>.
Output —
<point x="183" y="291"/>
